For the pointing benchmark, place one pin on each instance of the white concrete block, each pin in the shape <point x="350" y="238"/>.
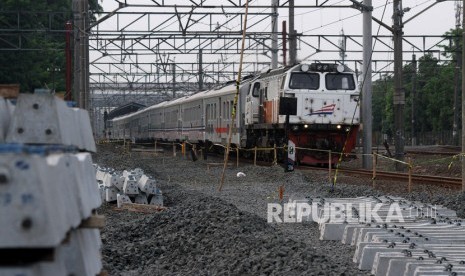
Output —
<point x="85" y="129"/>
<point x="439" y="270"/>
<point x="33" y="212"/>
<point x="38" y="269"/>
<point x="45" y="119"/>
<point x="400" y="266"/>
<point x="126" y="173"/>
<point x="111" y="194"/>
<point x="100" y="174"/>
<point x="122" y="198"/>
<point x="4" y="119"/>
<point x="119" y="183"/>
<point x="157" y="199"/>
<point x="102" y="188"/>
<point x="64" y="191"/>
<point x="81" y="253"/>
<point x="84" y="172"/>
<point x="369" y="253"/>
<point x="109" y="180"/>
<point x="381" y="263"/>
<point x="141" y="199"/>
<point x="147" y="185"/>
<point x="130" y="185"/>
<point x="138" y="171"/>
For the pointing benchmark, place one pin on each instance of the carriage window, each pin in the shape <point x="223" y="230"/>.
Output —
<point x="340" y="82"/>
<point x="300" y="80"/>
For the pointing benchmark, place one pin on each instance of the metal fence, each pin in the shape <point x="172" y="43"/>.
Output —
<point x="422" y="138"/>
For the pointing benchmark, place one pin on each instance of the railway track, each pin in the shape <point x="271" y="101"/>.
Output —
<point x="380" y="175"/>
<point x="383" y="175"/>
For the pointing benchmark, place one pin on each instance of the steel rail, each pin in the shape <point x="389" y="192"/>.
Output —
<point x="384" y="175"/>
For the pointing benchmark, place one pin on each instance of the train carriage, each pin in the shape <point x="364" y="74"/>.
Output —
<point x="326" y="113"/>
<point x="192" y="119"/>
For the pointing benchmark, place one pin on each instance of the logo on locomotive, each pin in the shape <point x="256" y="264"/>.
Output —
<point x="325" y="110"/>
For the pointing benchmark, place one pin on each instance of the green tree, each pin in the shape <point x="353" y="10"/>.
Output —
<point x="43" y="63"/>
<point x="433" y="99"/>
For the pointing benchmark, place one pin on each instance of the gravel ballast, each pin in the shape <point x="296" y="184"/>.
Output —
<point x="206" y="232"/>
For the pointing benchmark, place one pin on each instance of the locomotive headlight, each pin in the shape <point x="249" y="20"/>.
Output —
<point x="338" y="126"/>
<point x="305" y="126"/>
<point x="295" y="128"/>
<point x="304" y="67"/>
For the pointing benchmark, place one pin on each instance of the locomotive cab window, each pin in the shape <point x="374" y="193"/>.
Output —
<point x="301" y="80"/>
<point x="339" y="81"/>
<point x="256" y="90"/>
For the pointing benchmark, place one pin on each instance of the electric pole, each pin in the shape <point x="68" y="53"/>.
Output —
<point x="81" y="53"/>
<point x="173" y="66"/>
<point x="414" y="91"/>
<point x="274" y="35"/>
<point x="463" y="102"/>
<point x="458" y="66"/>
<point x="200" y="70"/>
<point x="292" y="35"/>
<point x="399" y="93"/>
<point x="367" y="85"/>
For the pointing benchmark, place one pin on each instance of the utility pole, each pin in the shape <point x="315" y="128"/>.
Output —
<point x="274" y="35"/>
<point x="414" y="91"/>
<point x="69" y="62"/>
<point x="292" y="35"/>
<point x="174" y="79"/>
<point x="82" y="54"/>
<point x="463" y="102"/>
<point x="458" y="66"/>
<point x="399" y="93"/>
<point x="200" y="70"/>
<point x="284" y="43"/>
<point x="342" y="46"/>
<point x="367" y="85"/>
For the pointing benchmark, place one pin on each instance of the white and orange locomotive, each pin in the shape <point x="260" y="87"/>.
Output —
<point x="322" y="98"/>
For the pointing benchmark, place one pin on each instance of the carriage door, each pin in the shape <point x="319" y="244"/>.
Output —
<point x="219" y="118"/>
<point x="252" y="103"/>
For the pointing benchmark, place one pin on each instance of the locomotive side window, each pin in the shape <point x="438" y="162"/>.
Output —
<point x="256" y="90"/>
<point x="301" y="80"/>
<point x="339" y="82"/>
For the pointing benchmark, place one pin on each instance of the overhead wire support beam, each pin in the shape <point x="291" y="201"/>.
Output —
<point x="240" y="6"/>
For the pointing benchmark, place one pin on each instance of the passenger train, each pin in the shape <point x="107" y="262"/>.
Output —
<point x="325" y="115"/>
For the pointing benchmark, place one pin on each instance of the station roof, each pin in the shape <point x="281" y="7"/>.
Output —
<point x="125" y="109"/>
